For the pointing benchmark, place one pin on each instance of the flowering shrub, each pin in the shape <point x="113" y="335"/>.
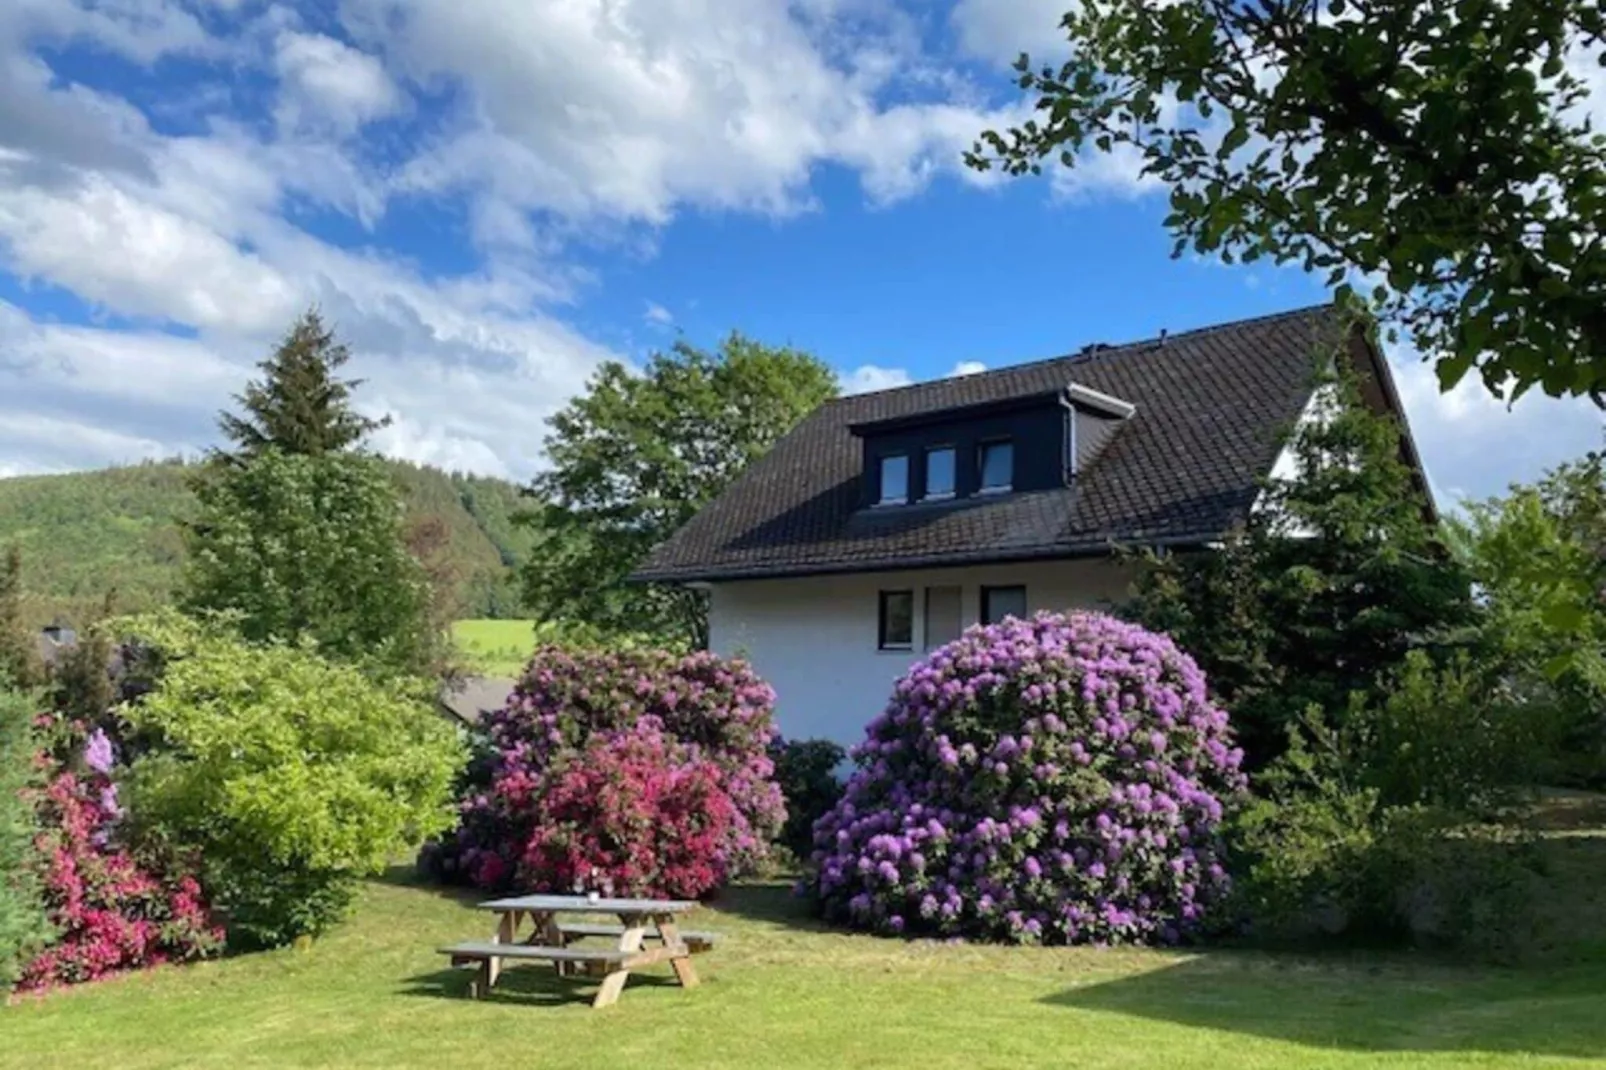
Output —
<point x="715" y="713"/>
<point x="631" y="814"/>
<point x="111" y="911"/>
<point x="1055" y="780"/>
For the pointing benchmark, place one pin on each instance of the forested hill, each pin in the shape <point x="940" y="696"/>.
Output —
<point x="83" y="533"/>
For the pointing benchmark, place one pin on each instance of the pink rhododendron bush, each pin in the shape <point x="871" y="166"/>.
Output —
<point x="635" y="814"/>
<point x="111" y="910"/>
<point x="636" y="771"/>
<point x="1057" y="780"/>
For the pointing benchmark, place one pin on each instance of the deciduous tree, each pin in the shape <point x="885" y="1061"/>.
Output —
<point x="638" y="454"/>
<point x="1442" y="147"/>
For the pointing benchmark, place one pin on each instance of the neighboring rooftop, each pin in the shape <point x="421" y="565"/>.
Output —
<point x="476" y="696"/>
<point x="1211" y="409"/>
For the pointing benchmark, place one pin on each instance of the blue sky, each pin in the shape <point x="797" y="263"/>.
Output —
<point x="489" y="197"/>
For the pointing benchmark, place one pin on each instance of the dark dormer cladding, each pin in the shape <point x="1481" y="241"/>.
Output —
<point x="1031" y="442"/>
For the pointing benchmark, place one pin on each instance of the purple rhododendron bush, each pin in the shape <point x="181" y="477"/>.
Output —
<point x="1057" y="780"/>
<point x="705" y="723"/>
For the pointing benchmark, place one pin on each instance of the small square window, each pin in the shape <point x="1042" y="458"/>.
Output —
<point x="896" y="630"/>
<point x="894" y="479"/>
<point x="1000" y="602"/>
<point x="997" y="464"/>
<point x="940" y="472"/>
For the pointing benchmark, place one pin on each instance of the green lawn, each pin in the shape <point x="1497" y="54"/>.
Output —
<point x="495" y="647"/>
<point x="785" y="993"/>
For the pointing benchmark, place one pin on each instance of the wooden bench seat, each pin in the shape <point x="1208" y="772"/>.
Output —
<point x="475" y="950"/>
<point x="596" y="961"/>
<point x="694" y="941"/>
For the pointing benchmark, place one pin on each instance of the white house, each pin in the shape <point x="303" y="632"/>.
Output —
<point x="886" y="523"/>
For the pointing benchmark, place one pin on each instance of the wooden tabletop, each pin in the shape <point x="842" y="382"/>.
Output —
<point x="555" y="903"/>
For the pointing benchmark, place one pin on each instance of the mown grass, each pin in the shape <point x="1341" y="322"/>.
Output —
<point x="785" y="992"/>
<point x="495" y="647"/>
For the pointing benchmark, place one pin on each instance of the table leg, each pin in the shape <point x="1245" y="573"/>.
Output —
<point x="551" y="934"/>
<point x="614" y="983"/>
<point x="506" y="926"/>
<point x="669" y="931"/>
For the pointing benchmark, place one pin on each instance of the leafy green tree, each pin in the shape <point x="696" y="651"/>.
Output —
<point x="637" y="455"/>
<point x="300" y="406"/>
<point x="291" y="776"/>
<point x="1441" y="146"/>
<point x="1538" y="555"/>
<point x="24" y="925"/>
<point x="19" y="654"/>
<point x="1330" y="583"/>
<point x="302" y="547"/>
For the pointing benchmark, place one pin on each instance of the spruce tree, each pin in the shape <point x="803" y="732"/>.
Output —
<point x="1327" y="586"/>
<point x="300" y="406"/>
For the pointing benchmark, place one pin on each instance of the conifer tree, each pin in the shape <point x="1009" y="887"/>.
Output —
<point x="300" y="406"/>
<point x="1327" y="586"/>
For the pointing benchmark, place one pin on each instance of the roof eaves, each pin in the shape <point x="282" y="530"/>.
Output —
<point x="833" y="567"/>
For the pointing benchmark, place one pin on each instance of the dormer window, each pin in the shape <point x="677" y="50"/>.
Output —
<point x="939" y="473"/>
<point x="996" y="465"/>
<point x="894" y="479"/>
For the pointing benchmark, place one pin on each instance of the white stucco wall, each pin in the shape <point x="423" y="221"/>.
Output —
<point x="814" y="638"/>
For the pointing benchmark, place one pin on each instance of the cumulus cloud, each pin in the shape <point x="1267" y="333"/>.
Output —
<point x="537" y="124"/>
<point x="328" y="83"/>
<point x="672" y="102"/>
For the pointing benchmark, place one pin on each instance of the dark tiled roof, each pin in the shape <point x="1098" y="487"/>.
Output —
<point x="1212" y="406"/>
<point x="476" y="696"/>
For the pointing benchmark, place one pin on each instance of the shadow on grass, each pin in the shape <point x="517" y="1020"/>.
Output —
<point x="769" y="901"/>
<point x="527" y="985"/>
<point x="1377" y="1009"/>
<point x="406" y="875"/>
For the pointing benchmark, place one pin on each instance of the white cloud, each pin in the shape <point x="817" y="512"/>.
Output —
<point x="597" y="119"/>
<point x="1000" y="30"/>
<point x="869" y="377"/>
<point x="1473" y="445"/>
<point x="670" y="102"/>
<point x="138" y="258"/>
<point x="327" y="83"/>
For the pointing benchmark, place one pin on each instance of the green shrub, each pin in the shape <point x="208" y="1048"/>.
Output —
<point x="806" y="770"/>
<point x="24" y="928"/>
<point x="1451" y="737"/>
<point x="291" y="775"/>
<point x="1320" y="853"/>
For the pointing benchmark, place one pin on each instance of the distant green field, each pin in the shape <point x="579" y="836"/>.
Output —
<point x="495" y="647"/>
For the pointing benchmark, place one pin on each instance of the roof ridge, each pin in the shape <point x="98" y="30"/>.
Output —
<point x="1190" y="332"/>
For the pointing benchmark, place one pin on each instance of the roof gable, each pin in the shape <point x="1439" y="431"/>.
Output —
<point x="1211" y="408"/>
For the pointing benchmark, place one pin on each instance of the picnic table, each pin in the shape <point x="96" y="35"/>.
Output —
<point x="648" y="932"/>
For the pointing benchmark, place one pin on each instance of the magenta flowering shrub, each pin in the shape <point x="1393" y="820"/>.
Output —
<point x="1057" y="780"/>
<point x="631" y="814"/>
<point x="717" y="714"/>
<point x="111" y="911"/>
